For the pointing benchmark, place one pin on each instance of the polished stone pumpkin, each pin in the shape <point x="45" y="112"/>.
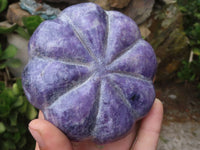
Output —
<point x="90" y="72"/>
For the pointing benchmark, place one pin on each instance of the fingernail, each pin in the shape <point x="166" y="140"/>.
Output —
<point x="36" y="135"/>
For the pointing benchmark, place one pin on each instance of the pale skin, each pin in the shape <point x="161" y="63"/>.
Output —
<point x="144" y="135"/>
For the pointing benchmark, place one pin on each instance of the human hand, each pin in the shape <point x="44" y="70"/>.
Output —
<point x="49" y="137"/>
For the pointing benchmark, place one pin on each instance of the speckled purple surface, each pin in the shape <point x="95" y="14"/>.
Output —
<point x="90" y="72"/>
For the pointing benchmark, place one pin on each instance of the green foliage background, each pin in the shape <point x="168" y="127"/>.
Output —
<point x="15" y="110"/>
<point x="15" y="113"/>
<point x="191" y="11"/>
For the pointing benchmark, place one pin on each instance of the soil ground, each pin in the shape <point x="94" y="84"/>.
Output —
<point x="181" y="122"/>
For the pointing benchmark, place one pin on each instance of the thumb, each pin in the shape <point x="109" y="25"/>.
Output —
<point x="48" y="136"/>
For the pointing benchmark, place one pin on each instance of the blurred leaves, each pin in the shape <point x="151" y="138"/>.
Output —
<point x="3" y="5"/>
<point x="15" y="113"/>
<point x="191" y="12"/>
<point x="22" y="32"/>
<point x="186" y="73"/>
<point x="5" y="27"/>
<point x="7" y="57"/>
<point x="9" y="52"/>
<point x="2" y="127"/>
<point x="190" y="71"/>
<point x="30" y="25"/>
<point x="15" y="110"/>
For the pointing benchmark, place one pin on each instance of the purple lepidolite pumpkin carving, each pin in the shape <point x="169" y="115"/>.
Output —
<point x="90" y="72"/>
